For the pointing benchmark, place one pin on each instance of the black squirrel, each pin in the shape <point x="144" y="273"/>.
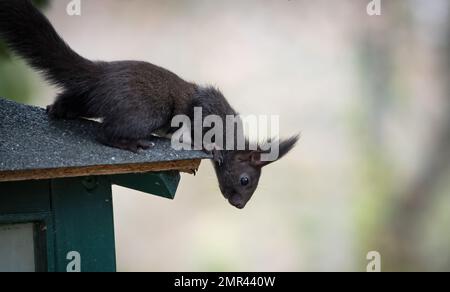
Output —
<point x="134" y="99"/>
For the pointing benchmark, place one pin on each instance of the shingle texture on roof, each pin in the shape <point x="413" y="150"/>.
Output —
<point x="30" y="140"/>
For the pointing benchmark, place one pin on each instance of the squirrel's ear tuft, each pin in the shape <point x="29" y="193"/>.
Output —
<point x="287" y="145"/>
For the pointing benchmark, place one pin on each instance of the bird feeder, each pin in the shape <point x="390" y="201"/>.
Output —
<point x="56" y="204"/>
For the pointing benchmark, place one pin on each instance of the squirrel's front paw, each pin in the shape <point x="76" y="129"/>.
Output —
<point x="131" y="145"/>
<point x="217" y="155"/>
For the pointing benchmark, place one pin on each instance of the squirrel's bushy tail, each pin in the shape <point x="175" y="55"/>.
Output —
<point x="28" y="33"/>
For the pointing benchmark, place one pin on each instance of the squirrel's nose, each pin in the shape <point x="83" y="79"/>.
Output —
<point x="237" y="201"/>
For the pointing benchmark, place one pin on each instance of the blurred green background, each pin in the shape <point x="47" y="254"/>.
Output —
<point x="370" y="95"/>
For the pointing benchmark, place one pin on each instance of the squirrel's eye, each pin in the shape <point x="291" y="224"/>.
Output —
<point x="245" y="181"/>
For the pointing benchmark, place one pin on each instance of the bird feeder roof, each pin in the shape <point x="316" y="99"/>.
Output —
<point x="32" y="146"/>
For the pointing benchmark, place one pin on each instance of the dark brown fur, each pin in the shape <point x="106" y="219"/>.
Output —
<point x="134" y="99"/>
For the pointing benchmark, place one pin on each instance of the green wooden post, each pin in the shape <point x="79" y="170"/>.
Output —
<point x="84" y="224"/>
<point x="73" y="217"/>
<point x="73" y="221"/>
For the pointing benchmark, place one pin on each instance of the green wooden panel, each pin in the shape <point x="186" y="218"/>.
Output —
<point x="24" y="197"/>
<point x="163" y="184"/>
<point x="84" y="225"/>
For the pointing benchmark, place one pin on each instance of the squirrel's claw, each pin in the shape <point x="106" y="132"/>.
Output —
<point x="217" y="156"/>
